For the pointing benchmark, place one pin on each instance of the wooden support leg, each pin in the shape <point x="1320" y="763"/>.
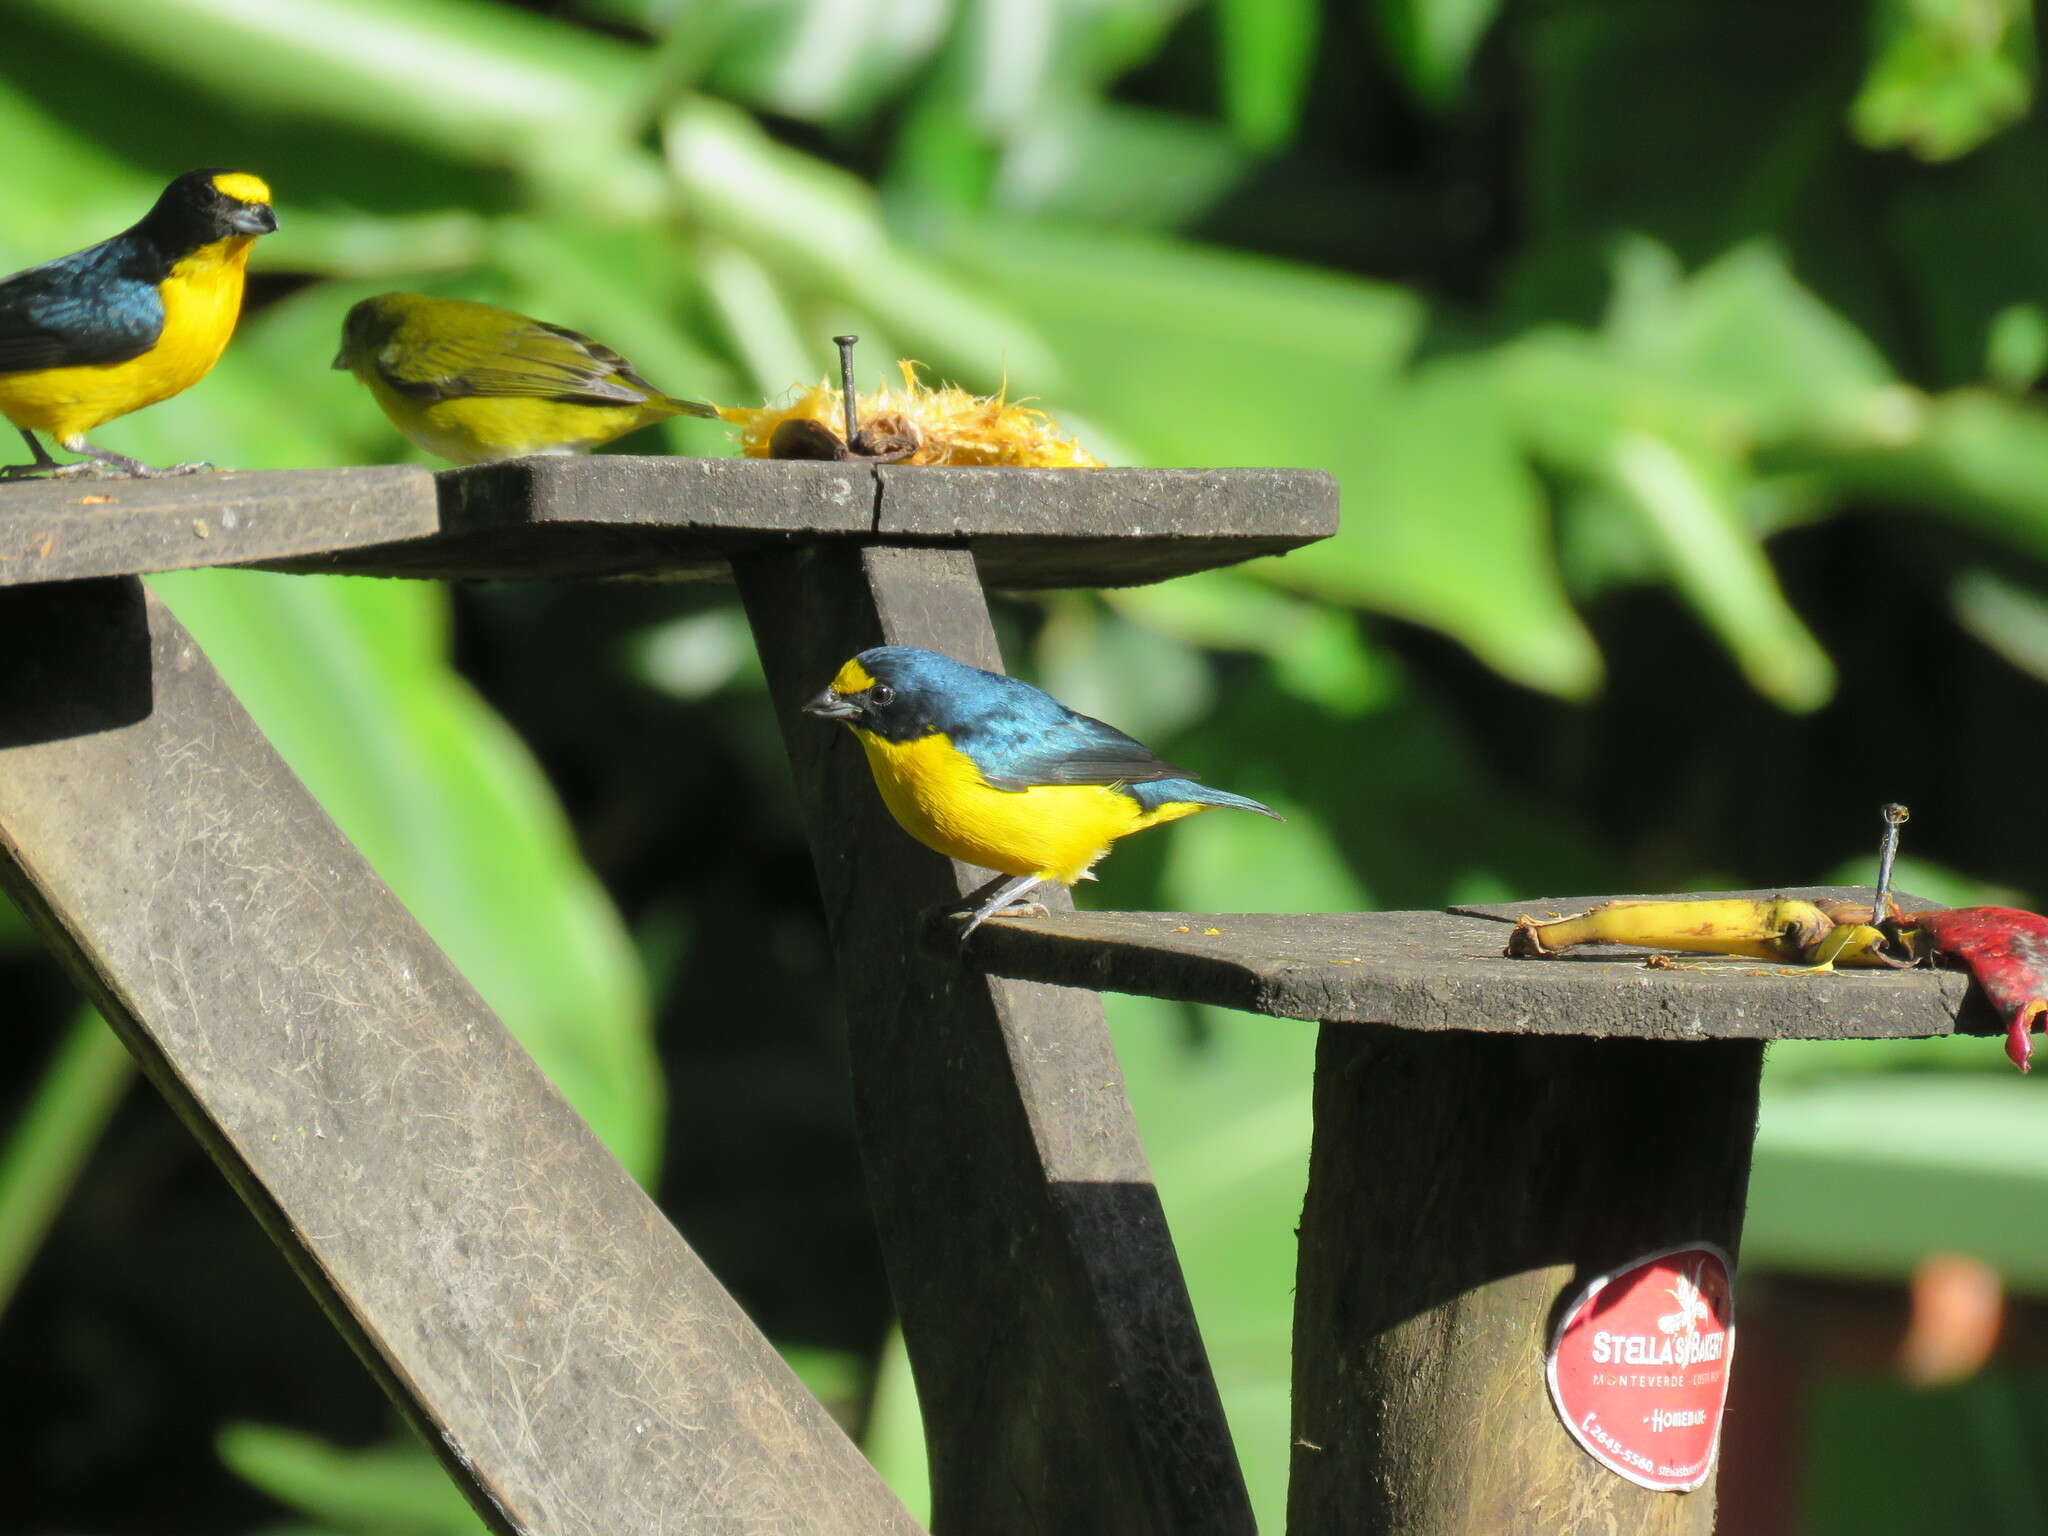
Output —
<point x="1064" y="1385"/>
<point x="1461" y="1187"/>
<point x="525" y="1304"/>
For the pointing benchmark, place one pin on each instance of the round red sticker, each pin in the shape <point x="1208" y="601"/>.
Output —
<point x="1639" y="1366"/>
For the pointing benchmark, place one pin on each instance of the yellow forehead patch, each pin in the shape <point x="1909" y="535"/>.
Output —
<point x="852" y="678"/>
<point x="241" y="186"/>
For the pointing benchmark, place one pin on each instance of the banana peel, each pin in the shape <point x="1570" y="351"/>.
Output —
<point x="1777" y="928"/>
<point x="2004" y="949"/>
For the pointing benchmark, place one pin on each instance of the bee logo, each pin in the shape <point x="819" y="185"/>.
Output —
<point x="1692" y="1305"/>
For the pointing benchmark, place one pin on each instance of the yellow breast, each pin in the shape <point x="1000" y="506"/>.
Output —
<point x="202" y="299"/>
<point x="1054" y="831"/>
<point x="478" y="428"/>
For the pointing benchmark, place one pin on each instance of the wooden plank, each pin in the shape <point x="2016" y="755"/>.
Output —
<point x="1461" y="1185"/>
<point x="578" y="517"/>
<point x="66" y="530"/>
<point x="523" y="1301"/>
<point x="1108" y="527"/>
<point x="682" y="518"/>
<point x="1063" y="1382"/>
<point x="1437" y="970"/>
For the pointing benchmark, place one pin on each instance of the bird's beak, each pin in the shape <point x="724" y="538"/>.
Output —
<point x="831" y="706"/>
<point x="253" y="219"/>
<point x="340" y="359"/>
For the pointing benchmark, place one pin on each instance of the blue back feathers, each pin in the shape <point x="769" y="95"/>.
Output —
<point x="1021" y="736"/>
<point x="98" y="305"/>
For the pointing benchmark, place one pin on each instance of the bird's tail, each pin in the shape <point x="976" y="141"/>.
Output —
<point x="1158" y="794"/>
<point x="686" y="407"/>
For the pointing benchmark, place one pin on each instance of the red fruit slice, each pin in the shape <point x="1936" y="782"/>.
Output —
<point x="2006" y="950"/>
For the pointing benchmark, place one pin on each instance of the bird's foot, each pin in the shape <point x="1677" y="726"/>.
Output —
<point x="46" y="471"/>
<point x="110" y="465"/>
<point x="1005" y="898"/>
<point x="969" y="921"/>
<point x="133" y="469"/>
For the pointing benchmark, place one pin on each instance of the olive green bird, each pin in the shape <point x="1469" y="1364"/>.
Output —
<point x="471" y="382"/>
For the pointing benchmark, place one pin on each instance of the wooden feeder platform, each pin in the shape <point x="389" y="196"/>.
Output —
<point x="1486" y="1131"/>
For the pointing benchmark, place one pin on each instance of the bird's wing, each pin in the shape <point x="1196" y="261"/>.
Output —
<point x="77" y="310"/>
<point x="533" y="359"/>
<point x="1022" y="747"/>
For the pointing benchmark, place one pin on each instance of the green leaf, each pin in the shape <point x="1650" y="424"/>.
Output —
<point x="1746" y="329"/>
<point x="894" y="1439"/>
<point x="1007" y="53"/>
<point x="1948" y="75"/>
<point x="477" y="79"/>
<point x="820" y="227"/>
<point x="2016" y="351"/>
<point x="818" y="61"/>
<point x="1446" y="526"/>
<point x="1687" y="508"/>
<point x="1867" y="1176"/>
<point x="58" y="1125"/>
<point x="1269" y="48"/>
<point x="396" y="1489"/>
<point x="1975" y="456"/>
<point x="2006" y="617"/>
<point x="1432" y="43"/>
<point x="362" y="246"/>
<point x="757" y="316"/>
<point x="1317" y="652"/>
<point x="1114" y="166"/>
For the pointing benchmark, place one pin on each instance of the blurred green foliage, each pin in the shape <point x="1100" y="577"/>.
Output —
<point x="1678" y="362"/>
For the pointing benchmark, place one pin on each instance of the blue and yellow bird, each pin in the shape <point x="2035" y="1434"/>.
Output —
<point x="130" y="321"/>
<point x="992" y="771"/>
<point x="471" y="382"/>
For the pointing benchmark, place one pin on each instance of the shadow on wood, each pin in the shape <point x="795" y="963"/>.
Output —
<point x="78" y="660"/>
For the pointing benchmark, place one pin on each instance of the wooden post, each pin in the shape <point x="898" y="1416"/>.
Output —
<point x="1461" y="1187"/>
<point x="1064" y="1386"/>
<point x="558" y="1345"/>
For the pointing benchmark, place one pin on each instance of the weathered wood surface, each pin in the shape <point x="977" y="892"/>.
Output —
<point x="1063" y="1383"/>
<point x="530" y="1309"/>
<point x="577" y="517"/>
<point x="1108" y="527"/>
<point x="1461" y="1187"/>
<point x="1445" y="970"/>
<point x="65" y="530"/>
<point x="669" y="517"/>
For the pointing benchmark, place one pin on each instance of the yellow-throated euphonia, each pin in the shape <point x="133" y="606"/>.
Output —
<point x="130" y="321"/>
<point x="990" y="770"/>
<point x="472" y="382"/>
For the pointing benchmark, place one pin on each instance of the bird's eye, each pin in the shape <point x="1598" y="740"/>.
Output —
<point x="881" y="696"/>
